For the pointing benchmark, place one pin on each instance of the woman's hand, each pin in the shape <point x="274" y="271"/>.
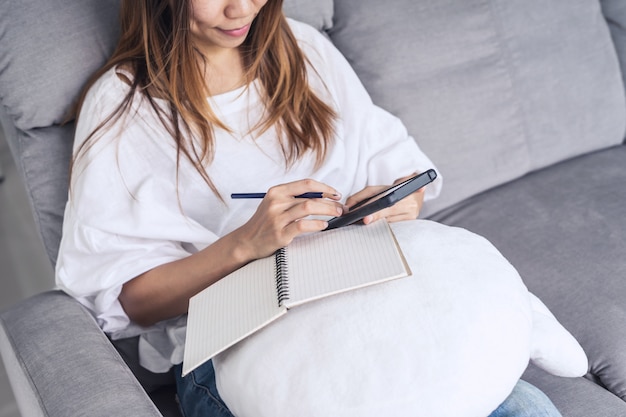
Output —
<point x="164" y="292"/>
<point x="281" y="217"/>
<point x="406" y="209"/>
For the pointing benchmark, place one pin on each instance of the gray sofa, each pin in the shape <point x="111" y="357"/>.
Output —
<point x="520" y="103"/>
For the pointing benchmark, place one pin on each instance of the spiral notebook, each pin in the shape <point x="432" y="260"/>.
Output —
<point x="313" y="266"/>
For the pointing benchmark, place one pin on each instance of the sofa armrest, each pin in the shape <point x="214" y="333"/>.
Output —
<point x="61" y="364"/>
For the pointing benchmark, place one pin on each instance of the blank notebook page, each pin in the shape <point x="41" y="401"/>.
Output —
<point x="338" y="260"/>
<point x="235" y="308"/>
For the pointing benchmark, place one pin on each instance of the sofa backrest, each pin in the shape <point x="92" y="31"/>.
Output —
<point x="491" y="89"/>
<point x="49" y="49"/>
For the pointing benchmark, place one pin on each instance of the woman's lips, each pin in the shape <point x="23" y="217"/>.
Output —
<point x="236" y="33"/>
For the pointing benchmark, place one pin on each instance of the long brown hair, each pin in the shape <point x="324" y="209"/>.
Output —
<point x="156" y="47"/>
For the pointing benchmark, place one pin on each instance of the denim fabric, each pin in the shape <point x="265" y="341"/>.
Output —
<point x="526" y="401"/>
<point x="197" y="393"/>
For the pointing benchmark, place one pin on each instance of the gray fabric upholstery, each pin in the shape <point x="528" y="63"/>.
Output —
<point x="615" y="14"/>
<point x="564" y="229"/>
<point x="44" y="164"/>
<point x="318" y="13"/>
<point x="39" y="78"/>
<point x="576" y="397"/>
<point x="42" y="69"/>
<point x="67" y="362"/>
<point x="490" y="89"/>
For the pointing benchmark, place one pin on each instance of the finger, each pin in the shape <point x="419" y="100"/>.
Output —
<point x="305" y="226"/>
<point x="364" y="194"/>
<point x="277" y="204"/>
<point x="406" y="210"/>
<point x="296" y="188"/>
<point x="391" y="219"/>
<point x="314" y="207"/>
<point x="399" y="180"/>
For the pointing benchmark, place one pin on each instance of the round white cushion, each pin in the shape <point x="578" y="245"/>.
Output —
<point x="451" y="340"/>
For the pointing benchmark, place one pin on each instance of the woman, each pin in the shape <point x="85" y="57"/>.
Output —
<point x="202" y="98"/>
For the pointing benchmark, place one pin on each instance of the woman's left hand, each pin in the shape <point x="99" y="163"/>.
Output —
<point x="406" y="209"/>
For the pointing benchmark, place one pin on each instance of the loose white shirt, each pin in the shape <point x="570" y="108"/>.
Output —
<point x="129" y="210"/>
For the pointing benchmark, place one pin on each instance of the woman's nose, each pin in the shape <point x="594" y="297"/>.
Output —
<point x="239" y="8"/>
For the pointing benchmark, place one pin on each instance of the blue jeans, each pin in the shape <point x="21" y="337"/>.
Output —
<point x="198" y="397"/>
<point x="197" y="393"/>
<point x="526" y="401"/>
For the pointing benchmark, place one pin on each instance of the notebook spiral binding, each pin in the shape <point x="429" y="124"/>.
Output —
<point x="282" y="283"/>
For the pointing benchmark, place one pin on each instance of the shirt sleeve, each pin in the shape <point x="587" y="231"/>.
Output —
<point x="122" y="217"/>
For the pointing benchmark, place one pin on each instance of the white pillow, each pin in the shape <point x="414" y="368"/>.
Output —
<point x="451" y="340"/>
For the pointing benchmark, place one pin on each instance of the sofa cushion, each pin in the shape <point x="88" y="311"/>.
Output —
<point x="576" y="397"/>
<point x="42" y="69"/>
<point x="457" y="332"/>
<point x="491" y="89"/>
<point x="44" y="165"/>
<point x="318" y="13"/>
<point x="564" y="229"/>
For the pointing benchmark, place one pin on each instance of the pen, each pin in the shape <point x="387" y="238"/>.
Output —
<point x="261" y="195"/>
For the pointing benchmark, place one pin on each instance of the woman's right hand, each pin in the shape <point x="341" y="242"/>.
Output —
<point x="164" y="291"/>
<point x="281" y="217"/>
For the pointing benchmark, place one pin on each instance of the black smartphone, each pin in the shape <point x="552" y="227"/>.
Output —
<point x="384" y="199"/>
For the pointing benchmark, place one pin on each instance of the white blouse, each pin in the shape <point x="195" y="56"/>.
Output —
<point x="128" y="212"/>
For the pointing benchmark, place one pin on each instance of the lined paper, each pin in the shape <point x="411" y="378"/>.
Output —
<point x="229" y="311"/>
<point x="323" y="264"/>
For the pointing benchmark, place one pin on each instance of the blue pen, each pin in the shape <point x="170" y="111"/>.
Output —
<point x="262" y="195"/>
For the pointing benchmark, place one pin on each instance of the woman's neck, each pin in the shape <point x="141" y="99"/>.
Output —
<point x="224" y="72"/>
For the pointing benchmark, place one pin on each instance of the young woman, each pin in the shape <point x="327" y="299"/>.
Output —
<point x="200" y="99"/>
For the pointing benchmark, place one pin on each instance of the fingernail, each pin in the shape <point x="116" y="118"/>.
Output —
<point x="339" y="211"/>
